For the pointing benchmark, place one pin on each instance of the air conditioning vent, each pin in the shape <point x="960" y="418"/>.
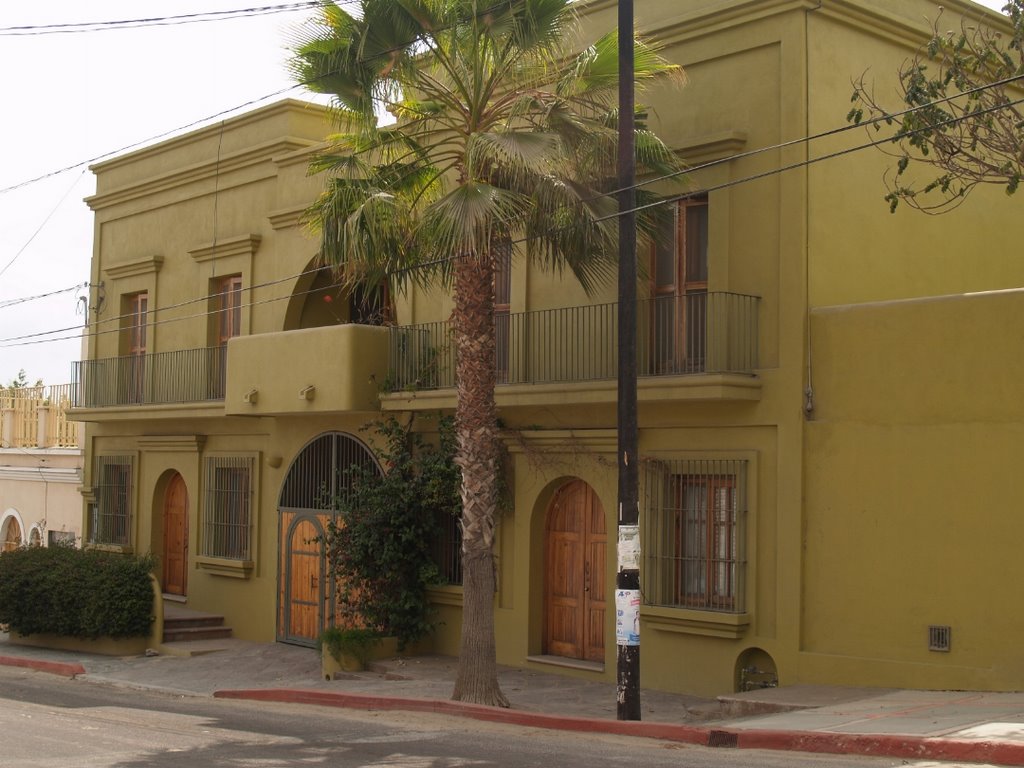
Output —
<point x="939" y="638"/>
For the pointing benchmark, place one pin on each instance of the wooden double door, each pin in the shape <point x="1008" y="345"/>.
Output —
<point x="575" y="597"/>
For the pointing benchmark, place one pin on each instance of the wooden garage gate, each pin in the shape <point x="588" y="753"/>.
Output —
<point x="316" y="479"/>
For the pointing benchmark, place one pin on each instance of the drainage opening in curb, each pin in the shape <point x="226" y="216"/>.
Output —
<point x="722" y="739"/>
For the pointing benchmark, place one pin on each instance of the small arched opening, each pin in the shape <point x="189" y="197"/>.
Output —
<point x="319" y="300"/>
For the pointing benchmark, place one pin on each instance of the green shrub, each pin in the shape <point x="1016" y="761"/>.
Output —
<point x="75" y="593"/>
<point x="354" y="641"/>
<point x="380" y="550"/>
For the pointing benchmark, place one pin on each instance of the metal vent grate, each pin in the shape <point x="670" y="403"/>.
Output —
<point x="939" y="638"/>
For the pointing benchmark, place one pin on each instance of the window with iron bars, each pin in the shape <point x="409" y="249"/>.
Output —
<point x="227" y="512"/>
<point x="447" y="548"/>
<point x="111" y="514"/>
<point x="694" y="534"/>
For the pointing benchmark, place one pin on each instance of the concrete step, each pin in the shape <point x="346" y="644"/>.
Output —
<point x="196" y="620"/>
<point x="185" y="634"/>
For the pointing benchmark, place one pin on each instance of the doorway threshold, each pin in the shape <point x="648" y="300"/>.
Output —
<point x="564" y="661"/>
<point x="175" y="598"/>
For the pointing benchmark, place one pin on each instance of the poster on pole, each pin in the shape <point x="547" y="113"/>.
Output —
<point x="627" y="617"/>
<point x="629" y="548"/>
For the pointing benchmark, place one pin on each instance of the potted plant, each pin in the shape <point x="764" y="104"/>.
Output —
<point x="346" y="649"/>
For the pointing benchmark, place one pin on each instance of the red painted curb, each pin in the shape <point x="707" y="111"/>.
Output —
<point x="53" y="667"/>
<point x="874" y="745"/>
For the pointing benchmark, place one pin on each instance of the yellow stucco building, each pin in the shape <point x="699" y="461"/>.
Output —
<point x="828" y="399"/>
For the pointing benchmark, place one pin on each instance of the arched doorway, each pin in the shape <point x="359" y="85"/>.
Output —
<point x="175" y="554"/>
<point x="574" y="584"/>
<point x="10" y="534"/>
<point x="317" y="477"/>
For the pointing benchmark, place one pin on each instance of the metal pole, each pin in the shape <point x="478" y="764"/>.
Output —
<point x="627" y="583"/>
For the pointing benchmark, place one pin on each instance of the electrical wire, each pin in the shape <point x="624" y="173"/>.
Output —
<point x="22" y="340"/>
<point x="662" y="201"/>
<point x="185" y="18"/>
<point x="43" y="224"/>
<point x="24" y="299"/>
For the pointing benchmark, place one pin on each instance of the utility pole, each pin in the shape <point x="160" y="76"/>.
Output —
<point x="627" y="582"/>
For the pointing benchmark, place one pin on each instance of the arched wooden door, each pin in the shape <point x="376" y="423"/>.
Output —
<point x="317" y="477"/>
<point x="305" y="596"/>
<point x="175" y="559"/>
<point x="11" y="535"/>
<point x="574" y="605"/>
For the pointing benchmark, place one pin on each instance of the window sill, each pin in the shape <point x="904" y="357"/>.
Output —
<point x="221" y="566"/>
<point x="117" y="549"/>
<point x="692" y="622"/>
<point x="447" y="595"/>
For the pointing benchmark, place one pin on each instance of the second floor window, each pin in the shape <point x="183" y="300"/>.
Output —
<point x="134" y="317"/>
<point x="679" y="287"/>
<point x="228" y="308"/>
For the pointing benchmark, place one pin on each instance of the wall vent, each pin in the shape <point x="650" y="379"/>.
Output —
<point x="939" y="638"/>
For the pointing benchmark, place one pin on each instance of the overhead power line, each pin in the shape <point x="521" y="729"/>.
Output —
<point x="25" y="340"/>
<point x="155" y="21"/>
<point x="24" y="299"/>
<point x="43" y="224"/>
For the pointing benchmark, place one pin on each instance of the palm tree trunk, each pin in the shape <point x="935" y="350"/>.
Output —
<point x="476" y="454"/>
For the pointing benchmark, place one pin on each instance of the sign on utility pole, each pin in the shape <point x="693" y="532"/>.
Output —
<point x="627" y="582"/>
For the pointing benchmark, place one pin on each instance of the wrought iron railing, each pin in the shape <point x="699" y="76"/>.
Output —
<point x="36" y="417"/>
<point x="185" y="376"/>
<point x="676" y="335"/>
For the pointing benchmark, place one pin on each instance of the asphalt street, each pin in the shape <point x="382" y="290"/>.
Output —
<point x="58" y="723"/>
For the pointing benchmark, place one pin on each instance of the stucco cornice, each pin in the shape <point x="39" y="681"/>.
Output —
<point x="286" y="218"/>
<point x="173" y="443"/>
<point x="712" y="146"/>
<point x="242" y="245"/>
<point x="145" y="266"/>
<point x="874" y="20"/>
<point x="198" y="172"/>
<point x="560" y="440"/>
<point x="212" y="131"/>
<point x="41" y="475"/>
<point x="889" y="26"/>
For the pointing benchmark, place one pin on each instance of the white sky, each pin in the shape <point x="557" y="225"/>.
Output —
<point x="73" y="97"/>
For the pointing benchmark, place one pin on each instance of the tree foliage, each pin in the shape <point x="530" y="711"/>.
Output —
<point x="380" y="549"/>
<point x="962" y="93"/>
<point x="499" y="136"/>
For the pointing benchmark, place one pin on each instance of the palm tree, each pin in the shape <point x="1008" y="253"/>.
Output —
<point x="496" y="136"/>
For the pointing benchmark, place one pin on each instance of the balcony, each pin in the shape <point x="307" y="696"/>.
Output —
<point x="164" y="378"/>
<point x="36" y="417"/>
<point x="326" y="369"/>
<point x="708" y="341"/>
<point x="330" y="369"/>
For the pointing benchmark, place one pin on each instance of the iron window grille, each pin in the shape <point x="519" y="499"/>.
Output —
<point x="110" y="516"/>
<point x="227" y="521"/>
<point x="695" y="514"/>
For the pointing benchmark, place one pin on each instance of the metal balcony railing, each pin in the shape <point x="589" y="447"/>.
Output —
<point x="677" y="335"/>
<point x="185" y="376"/>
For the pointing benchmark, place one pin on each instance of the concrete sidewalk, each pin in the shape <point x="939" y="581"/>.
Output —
<point x="921" y="725"/>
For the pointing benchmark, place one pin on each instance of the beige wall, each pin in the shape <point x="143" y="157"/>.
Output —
<point x="39" y="489"/>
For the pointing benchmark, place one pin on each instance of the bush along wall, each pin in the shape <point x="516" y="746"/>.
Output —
<point x="380" y="548"/>
<point x="85" y="594"/>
